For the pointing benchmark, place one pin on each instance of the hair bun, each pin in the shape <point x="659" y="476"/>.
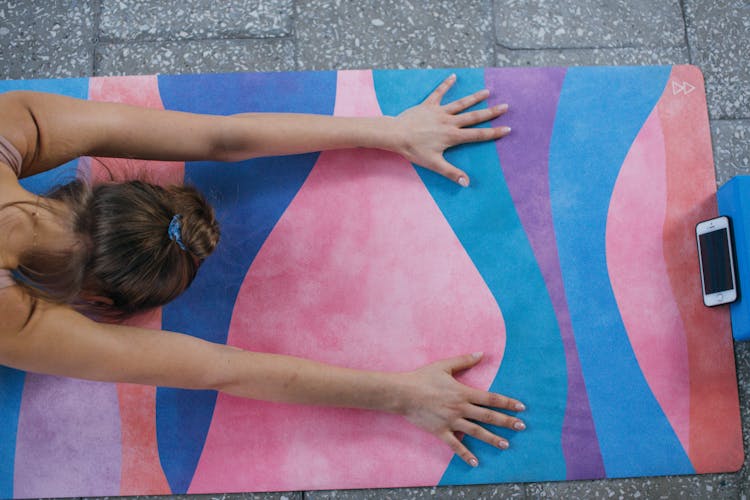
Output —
<point x="200" y="229"/>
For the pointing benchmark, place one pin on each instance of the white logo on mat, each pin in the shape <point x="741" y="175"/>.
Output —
<point x="683" y="87"/>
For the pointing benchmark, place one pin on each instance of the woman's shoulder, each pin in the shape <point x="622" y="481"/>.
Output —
<point x="8" y="179"/>
<point x="15" y="308"/>
<point x="16" y="127"/>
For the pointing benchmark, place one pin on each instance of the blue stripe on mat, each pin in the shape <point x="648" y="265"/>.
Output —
<point x="249" y="198"/>
<point x="600" y="113"/>
<point x="485" y="221"/>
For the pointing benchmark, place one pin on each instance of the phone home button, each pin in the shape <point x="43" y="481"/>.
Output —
<point x="720" y="297"/>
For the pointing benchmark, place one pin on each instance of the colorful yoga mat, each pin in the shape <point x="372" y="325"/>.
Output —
<point x="570" y="262"/>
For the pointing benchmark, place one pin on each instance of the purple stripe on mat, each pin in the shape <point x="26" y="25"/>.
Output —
<point x="532" y="94"/>
<point x="68" y="439"/>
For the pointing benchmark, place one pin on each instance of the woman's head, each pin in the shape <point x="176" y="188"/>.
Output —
<point x="122" y="259"/>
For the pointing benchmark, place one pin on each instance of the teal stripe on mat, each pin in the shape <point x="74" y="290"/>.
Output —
<point x="600" y="113"/>
<point x="485" y="221"/>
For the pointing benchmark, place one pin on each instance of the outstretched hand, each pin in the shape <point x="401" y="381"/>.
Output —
<point x="430" y="128"/>
<point x="441" y="405"/>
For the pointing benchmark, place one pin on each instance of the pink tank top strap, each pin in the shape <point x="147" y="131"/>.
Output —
<point x="10" y="155"/>
<point x="6" y="279"/>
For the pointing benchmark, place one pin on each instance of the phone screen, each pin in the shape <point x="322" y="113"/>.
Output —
<point x="715" y="261"/>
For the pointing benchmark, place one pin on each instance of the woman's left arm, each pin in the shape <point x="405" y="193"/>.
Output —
<point x="421" y="134"/>
<point x="50" y="130"/>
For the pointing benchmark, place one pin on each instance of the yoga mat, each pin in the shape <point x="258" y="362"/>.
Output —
<point x="570" y="261"/>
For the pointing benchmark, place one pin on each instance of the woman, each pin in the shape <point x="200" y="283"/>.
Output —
<point x="118" y="249"/>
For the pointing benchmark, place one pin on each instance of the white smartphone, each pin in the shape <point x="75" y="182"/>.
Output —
<point x="717" y="266"/>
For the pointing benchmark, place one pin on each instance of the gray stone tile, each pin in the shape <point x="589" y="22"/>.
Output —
<point x="697" y="487"/>
<point x="479" y="492"/>
<point x="591" y="57"/>
<point x="742" y="357"/>
<point x="45" y="21"/>
<point x="719" y="36"/>
<point x="731" y="143"/>
<point x="205" y="56"/>
<point x="392" y="33"/>
<point x="140" y="20"/>
<point x="31" y="60"/>
<point x="290" y="495"/>
<point x="46" y="39"/>
<point x="605" y="488"/>
<point x="520" y="24"/>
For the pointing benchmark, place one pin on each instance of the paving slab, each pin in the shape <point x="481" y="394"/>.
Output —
<point x="592" y="57"/>
<point x="478" y="492"/>
<point x="393" y="34"/>
<point x="291" y="495"/>
<point x="542" y="24"/>
<point x="139" y="20"/>
<point x="742" y="359"/>
<point x="44" y="39"/>
<point x="697" y="487"/>
<point x="719" y="37"/>
<point x="205" y="56"/>
<point x="604" y="488"/>
<point x="731" y="144"/>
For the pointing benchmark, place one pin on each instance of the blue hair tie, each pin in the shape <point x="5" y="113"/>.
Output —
<point x="175" y="231"/>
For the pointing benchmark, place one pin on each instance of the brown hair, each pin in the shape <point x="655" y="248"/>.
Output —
<point x="120" y="248"/>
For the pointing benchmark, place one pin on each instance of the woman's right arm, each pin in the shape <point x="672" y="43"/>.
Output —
<point x="59" y="341"/>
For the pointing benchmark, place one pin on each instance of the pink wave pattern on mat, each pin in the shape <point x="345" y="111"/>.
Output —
<point x="639" y="277"/>
<point x="142" y="473"/>
<point x="361" y="271"/>
<point x="715" y="424"/>
<point x="139" y="91"/>
<point x="68" y="441"/>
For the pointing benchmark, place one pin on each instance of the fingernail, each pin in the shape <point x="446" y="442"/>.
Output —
<point x="520" y="407"/>
<point x="503" y="444"/>
<point x="501" y="107"/>
<point x="519" y="426"/>
<point x="505" y="130"/>
<point x="473" y="462"/>
<point x="463" y="181"/>
<point x="477" y="355"/>
<point x="452" y="77"/>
